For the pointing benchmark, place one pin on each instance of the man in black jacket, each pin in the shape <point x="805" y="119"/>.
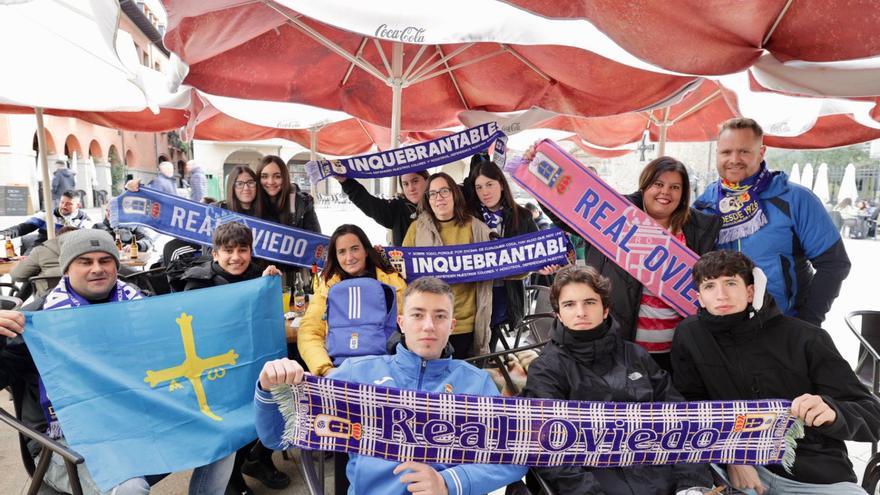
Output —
<point x="741" y="347"/>
<point x="585" y="360"/>
<point x="395" y="214"/>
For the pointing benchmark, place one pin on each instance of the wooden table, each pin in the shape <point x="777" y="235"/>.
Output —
<point x="140" y="262"/>
<point x="7" y="266"/>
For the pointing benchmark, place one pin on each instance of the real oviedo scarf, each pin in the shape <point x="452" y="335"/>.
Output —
<point x="738" y="204"/>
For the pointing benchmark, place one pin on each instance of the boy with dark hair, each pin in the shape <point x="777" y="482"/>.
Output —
<point x="586" y="360"/>
<point x="231" y="252"/>
<point x="741" y="347"/>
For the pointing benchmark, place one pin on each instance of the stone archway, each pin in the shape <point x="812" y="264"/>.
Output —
<point x="71" y="145"/>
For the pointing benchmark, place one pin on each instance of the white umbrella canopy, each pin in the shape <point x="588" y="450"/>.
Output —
<point x="56" y="38"/>
<point x="795" y="175"/>
<point x="820" y="188"/>
<point x="848" y="187"/>
<point x="807" y="176"/>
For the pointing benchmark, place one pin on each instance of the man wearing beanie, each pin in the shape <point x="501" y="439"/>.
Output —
<point x="89" y="261"/>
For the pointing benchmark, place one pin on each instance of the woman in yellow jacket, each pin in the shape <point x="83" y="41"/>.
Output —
<point x="349" y="255"/>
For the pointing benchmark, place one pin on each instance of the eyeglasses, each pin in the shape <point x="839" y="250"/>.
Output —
<point x="443" y="192"/>
<point x="249" y="184"/>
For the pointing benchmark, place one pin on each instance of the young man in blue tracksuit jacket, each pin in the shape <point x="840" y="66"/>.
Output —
<point x="422" y="363"/>
<point x="781" y="226"/>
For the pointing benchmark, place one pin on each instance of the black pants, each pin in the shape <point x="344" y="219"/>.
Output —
<point x="462" y="345"/>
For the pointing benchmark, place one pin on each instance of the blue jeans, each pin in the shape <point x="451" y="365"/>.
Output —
<point x="777" y="485"/>
<point x="210" y="479"/>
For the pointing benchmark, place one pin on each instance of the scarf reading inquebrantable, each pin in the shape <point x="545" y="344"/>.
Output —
<point x="480" y="261"/>
<point x="405" y="425"/>
<point x="416" y="157"/>
<point x="741" y="212"/>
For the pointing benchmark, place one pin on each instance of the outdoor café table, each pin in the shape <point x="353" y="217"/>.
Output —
<point x="7" y="264"/>
<point x="137" y="263"/>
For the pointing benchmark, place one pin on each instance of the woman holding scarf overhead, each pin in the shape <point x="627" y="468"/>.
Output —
<point x="396" y="214"/>
<point x="664" y="194"/>
<point x="444" y="221"/>
<point x="493" y="202"/>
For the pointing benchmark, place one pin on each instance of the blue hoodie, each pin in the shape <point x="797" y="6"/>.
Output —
<point x="798" y="229"/>
<point x="404" y="370"/>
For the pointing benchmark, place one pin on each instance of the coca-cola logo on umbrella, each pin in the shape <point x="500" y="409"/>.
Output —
<point x="409" y="34"/>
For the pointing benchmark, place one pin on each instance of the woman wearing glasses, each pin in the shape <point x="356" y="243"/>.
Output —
<point x="243" y="194"/>
<point x="444" y="221"/>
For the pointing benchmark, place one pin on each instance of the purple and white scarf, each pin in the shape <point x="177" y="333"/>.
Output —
<point x="415" y="157"/>
<point x="738" y="204"/>
<point x="405" y="425"/>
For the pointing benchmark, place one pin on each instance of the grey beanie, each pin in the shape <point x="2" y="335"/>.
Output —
<point x="79" y="242"/>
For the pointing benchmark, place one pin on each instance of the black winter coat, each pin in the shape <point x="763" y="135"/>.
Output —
<point x="607" y="369"/>
<point x="304" y="216"/>
<point x="700" y="233"/>
<point x="395" y="214"/>
<point x="515" y="289"/>
<point x="776" y="356"/>
<point x="209" y="274"/>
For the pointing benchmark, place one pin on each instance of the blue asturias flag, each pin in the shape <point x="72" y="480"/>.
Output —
<point x="160" y="384"/>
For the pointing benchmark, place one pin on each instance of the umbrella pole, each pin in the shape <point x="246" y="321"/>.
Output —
<point x="313" y="153"/>
<point x="661" y="148"/>
<point x="396" y="102"/>
<point x="44" y="171"/>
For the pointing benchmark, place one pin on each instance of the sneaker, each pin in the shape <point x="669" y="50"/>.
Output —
<point x="237" y="486"/>
<point x="266" y="472"/>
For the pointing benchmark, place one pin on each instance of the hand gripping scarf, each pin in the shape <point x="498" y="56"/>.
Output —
<point x="407" y="425"/>
<point x="740" y="209"/>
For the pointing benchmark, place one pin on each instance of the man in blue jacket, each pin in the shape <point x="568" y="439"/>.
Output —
<point x="781" y="226"/>
<point x="422" y="363"/>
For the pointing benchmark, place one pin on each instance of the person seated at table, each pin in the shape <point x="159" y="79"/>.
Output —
<point x="126" y="233"/>
<point x="89" y="261"/>
<point x="231" y="245"/>
<point x="41" y="262"/>
<point x="423" y="362"/>
<point x="587" y="360"/>
<point x="740" y="346"/>
<point x="231" y="252"/>
<point x="67" y="214"/>
<point x="349" y="256"/>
